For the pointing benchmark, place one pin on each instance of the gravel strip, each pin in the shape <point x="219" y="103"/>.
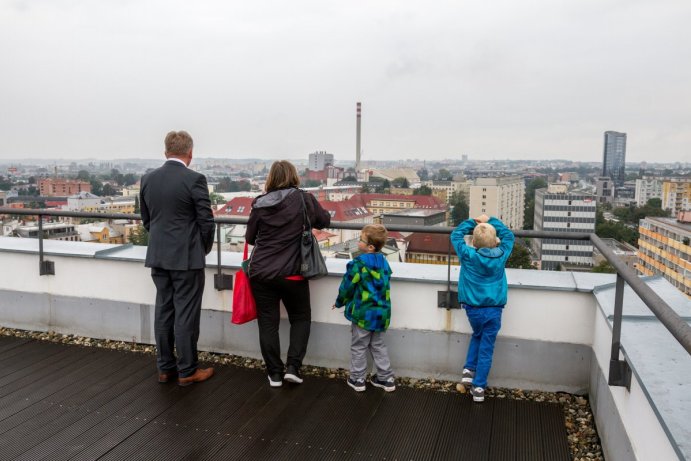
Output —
<point x="584" y="442"/>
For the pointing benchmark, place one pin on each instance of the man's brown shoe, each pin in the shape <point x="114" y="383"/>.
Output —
<point x="167" y="376"/>
<point x="201" y="374"/>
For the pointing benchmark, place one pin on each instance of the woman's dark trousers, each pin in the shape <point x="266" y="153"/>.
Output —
<point x="295" y="295"/>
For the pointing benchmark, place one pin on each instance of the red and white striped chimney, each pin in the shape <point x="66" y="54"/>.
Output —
<point x="357" y="138"/>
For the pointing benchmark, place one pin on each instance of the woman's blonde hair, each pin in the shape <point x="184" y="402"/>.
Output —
<point x="281" y="176"/>
<point x="484" y="236"/>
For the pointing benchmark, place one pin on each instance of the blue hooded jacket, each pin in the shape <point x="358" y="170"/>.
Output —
<point x="482" y="282"/>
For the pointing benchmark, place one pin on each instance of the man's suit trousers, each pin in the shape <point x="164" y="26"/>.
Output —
<point x="176" y="323"/>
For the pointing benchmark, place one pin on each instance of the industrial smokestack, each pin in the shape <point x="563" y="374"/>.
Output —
<point x="357" y="139"/>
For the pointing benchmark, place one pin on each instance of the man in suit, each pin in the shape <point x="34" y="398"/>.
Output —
<point x="176" y="211"/>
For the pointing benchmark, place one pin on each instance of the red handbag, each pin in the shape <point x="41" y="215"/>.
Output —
<point x="244" y="307"/>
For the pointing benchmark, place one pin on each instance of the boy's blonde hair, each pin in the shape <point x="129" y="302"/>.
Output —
<point x="375" y="235"/>
<point x="484" y="236"/>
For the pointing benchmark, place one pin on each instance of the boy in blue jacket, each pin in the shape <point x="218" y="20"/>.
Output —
<point x="482" y="291"/>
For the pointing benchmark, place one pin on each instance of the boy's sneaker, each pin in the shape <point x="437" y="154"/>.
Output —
<point x="357" y="384"/>
<point x="275" y="380"/>
<point x="389" y="385"/>
<point x="478" y="394"/>
<point x="293" y="375"/>
<point x="467" y="376"/>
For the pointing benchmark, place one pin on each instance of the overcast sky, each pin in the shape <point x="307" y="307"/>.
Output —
<point x="279" y="79"/>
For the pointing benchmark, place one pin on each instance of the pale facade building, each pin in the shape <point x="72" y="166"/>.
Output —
<point x="319" y="160"/>
<point x="503" y="197"/>
<point x="446" y="189"/>
<point x="646" y="188"/>
<point x="676" y="195"/>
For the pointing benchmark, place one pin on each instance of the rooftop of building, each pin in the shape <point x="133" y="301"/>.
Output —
<point x="671" y="222"/>
<point x="619" y="248"/>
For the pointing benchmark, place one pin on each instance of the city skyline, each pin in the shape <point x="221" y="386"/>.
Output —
<point x="493" y="81"/>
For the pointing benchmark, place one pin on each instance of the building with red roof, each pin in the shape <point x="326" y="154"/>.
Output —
<point x="429" y="249"/>
<point x="238" y="206"/>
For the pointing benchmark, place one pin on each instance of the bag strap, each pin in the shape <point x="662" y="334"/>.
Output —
<point x="305" y="219"/>
<point x="244" y="253"/>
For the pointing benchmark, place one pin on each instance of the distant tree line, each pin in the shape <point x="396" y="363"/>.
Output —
<point x="227" y="185"/>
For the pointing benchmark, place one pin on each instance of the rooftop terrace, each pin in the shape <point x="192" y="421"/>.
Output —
<point x="68" y="402"/>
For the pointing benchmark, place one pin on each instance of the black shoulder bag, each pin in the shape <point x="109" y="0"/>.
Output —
<point x="312" y="265"/>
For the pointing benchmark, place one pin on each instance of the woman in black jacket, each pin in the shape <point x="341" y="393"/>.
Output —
<point x="274" y="228"/>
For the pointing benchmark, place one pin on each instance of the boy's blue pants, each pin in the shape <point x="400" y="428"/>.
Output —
<point x="486" y="322"/>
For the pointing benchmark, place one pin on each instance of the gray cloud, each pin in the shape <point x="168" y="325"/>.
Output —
<point x="500" y="79"/>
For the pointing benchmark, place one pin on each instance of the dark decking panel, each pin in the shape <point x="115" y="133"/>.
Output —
<point x="61" y="402"/>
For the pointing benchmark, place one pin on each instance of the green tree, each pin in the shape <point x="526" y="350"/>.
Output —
<point x="400" y="182"/>
<point x="5" y="184"/>
<point x="96" y="187"/>
<point x="654" y="203"/>
<point x="520" y="258"/>
<point x="137" y="207"/>
<point x="139" y="236"/>
<point x="350" y="178"/>
<point x="216" y="199"/>
<point x="444" y="175"/>
<point x="423" y="190"/>
<point x="460" y="211"/>
<point x="384" y="187"/>
<point x="604" y="268"/>
<point x="529" y="207"/>
<point x="108" y="190"/>
<point x="423" y="174"/>
<point x="129" y="179"/>
<point x="618" y="231"/>
<point x="365" y="189"/>
<point x="84" y="175"/>
<point x="311" y="183"/>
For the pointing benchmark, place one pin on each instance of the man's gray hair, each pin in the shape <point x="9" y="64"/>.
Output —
<point x="178" y="143"/>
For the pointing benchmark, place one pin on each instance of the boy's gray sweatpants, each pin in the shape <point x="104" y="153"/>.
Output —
<point x="361" y="341"/>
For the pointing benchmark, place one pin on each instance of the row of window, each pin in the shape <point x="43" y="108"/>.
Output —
<point x="589" y="209"/>
<point x="568" y="219"/>
<point x="585" y="254"/>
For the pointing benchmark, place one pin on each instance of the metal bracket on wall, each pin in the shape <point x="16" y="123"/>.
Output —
<point x="223" y="282"/>
<point x="619" y="374"/>
<point x="448" y="299"/>
<point x="46" y="267"/>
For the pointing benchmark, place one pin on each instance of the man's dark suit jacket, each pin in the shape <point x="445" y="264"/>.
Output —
<point x="176" y="211"/>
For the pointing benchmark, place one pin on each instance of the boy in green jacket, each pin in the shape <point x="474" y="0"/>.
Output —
<point x="365" y="293"/>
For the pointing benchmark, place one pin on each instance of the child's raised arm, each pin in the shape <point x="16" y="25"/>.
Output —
<point x="457" y="236"/>
<point x="505" y="235"/>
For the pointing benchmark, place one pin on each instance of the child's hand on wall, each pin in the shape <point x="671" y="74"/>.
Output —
<point x="482" y="219"/>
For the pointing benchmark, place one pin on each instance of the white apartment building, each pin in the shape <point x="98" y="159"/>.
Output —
<point x="503" y="197"/>
<point x="556" y="209"/>
<point x="319" y="159"/>
<point x="676" y="195"/>
<point x="90" y="203"/>
<point x="646" y="188"/>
